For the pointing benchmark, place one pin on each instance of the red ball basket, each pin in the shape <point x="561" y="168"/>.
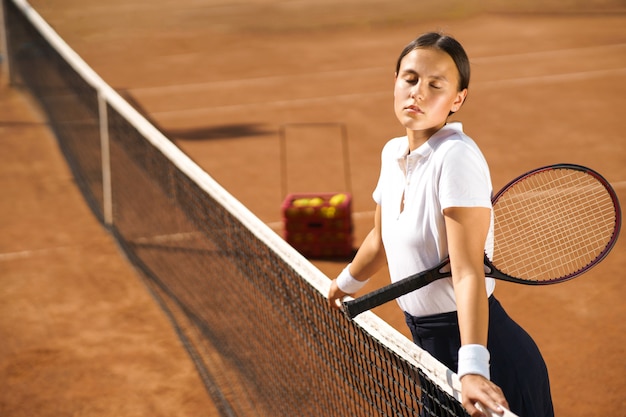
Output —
<point x="319" y="225"/>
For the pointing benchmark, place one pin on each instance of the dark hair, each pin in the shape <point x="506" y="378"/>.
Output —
<point x="446" y="44"/>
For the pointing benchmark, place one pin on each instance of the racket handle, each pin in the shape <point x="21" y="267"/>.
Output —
<point x="353" y="308"/>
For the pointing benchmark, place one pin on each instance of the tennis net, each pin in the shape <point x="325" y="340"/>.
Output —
<point x="250" y="310"/>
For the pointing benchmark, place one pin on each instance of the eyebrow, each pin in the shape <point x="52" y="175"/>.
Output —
<point x="432" y="77"/>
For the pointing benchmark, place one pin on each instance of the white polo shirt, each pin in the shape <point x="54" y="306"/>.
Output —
<point x="447" y="171"/>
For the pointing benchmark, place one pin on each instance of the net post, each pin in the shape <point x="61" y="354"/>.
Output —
<point x="282" y="138"/>
<point x="346" y="157"/>
<point x="107" y="201"/>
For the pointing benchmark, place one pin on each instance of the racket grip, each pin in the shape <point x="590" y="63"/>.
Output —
<point x="353" y="308"/>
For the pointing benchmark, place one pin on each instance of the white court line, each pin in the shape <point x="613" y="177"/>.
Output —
<point x="564" y="77"/>
<point x="363" y="214"/>
<point x="194" y="87"/>
<point x="554" y="78"/>
<point x="546" y="54"/>
<point x="276" y="103"/>
<point x="10" y="256"/>
<point x="174" y="237"/>
<point x="158" y="90"/>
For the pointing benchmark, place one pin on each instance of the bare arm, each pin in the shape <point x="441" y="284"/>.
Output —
<point x="368" y="260"/>
<point x="467" y="229"/>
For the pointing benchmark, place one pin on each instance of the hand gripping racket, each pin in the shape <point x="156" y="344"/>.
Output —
<point x="552" y="224"/>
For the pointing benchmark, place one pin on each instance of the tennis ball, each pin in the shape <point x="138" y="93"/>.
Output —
<point x="300" y="202"/>
<point x="337" y="199"/>
<point x="328" y="212"/>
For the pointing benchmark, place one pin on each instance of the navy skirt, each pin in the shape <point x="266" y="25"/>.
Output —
<point x="517" y="366"/>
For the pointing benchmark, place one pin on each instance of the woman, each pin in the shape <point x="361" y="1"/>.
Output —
<point x="434" y="200"/>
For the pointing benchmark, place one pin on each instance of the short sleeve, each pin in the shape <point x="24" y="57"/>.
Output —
<point x="464" y="179"/>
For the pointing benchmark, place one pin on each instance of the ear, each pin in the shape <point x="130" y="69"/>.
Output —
<point x="459" y="100"/>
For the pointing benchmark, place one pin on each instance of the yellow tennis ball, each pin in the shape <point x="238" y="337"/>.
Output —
<point x="337" y="199"/>
<point x="300" y="202"/>
<point x="328" y="212"/>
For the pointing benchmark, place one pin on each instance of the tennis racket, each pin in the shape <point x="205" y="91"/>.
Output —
<point x="551" y="224"/>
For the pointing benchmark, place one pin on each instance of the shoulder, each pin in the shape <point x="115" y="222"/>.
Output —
<point x="452" y="135"/>
<point x="452" y="144"/>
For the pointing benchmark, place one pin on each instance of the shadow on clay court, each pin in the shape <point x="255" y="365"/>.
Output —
<point x="227" y="131"/>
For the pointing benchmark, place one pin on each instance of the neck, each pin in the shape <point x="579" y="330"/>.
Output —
<point x="418" y="137"/>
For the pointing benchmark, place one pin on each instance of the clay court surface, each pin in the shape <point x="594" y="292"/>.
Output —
<point x="80" y="334"/>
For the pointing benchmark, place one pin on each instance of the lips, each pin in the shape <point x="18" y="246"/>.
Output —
<point x="414" y="109"/>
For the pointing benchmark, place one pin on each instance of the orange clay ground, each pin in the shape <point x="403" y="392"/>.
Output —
<point x="81" y="336"/>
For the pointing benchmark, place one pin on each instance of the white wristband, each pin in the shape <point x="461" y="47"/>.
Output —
<point x="473" y="359"/>
<point x="347" y="283"/>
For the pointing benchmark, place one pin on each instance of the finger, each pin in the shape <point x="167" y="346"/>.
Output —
<point x="334" y="302"/>
<point x="490" y="408"/>
<point x="474" y="410"/>
<point x="495" y="400"/>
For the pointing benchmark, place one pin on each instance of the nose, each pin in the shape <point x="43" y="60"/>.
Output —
<point x="417" y="91"/>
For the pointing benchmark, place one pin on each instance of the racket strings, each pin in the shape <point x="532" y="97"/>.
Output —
<point x="552" y="224"/>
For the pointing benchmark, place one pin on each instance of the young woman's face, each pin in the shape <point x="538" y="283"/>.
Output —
<point x="426" y="90"/>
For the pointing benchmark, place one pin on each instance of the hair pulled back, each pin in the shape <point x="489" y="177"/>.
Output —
<point x="447" y="44"/>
